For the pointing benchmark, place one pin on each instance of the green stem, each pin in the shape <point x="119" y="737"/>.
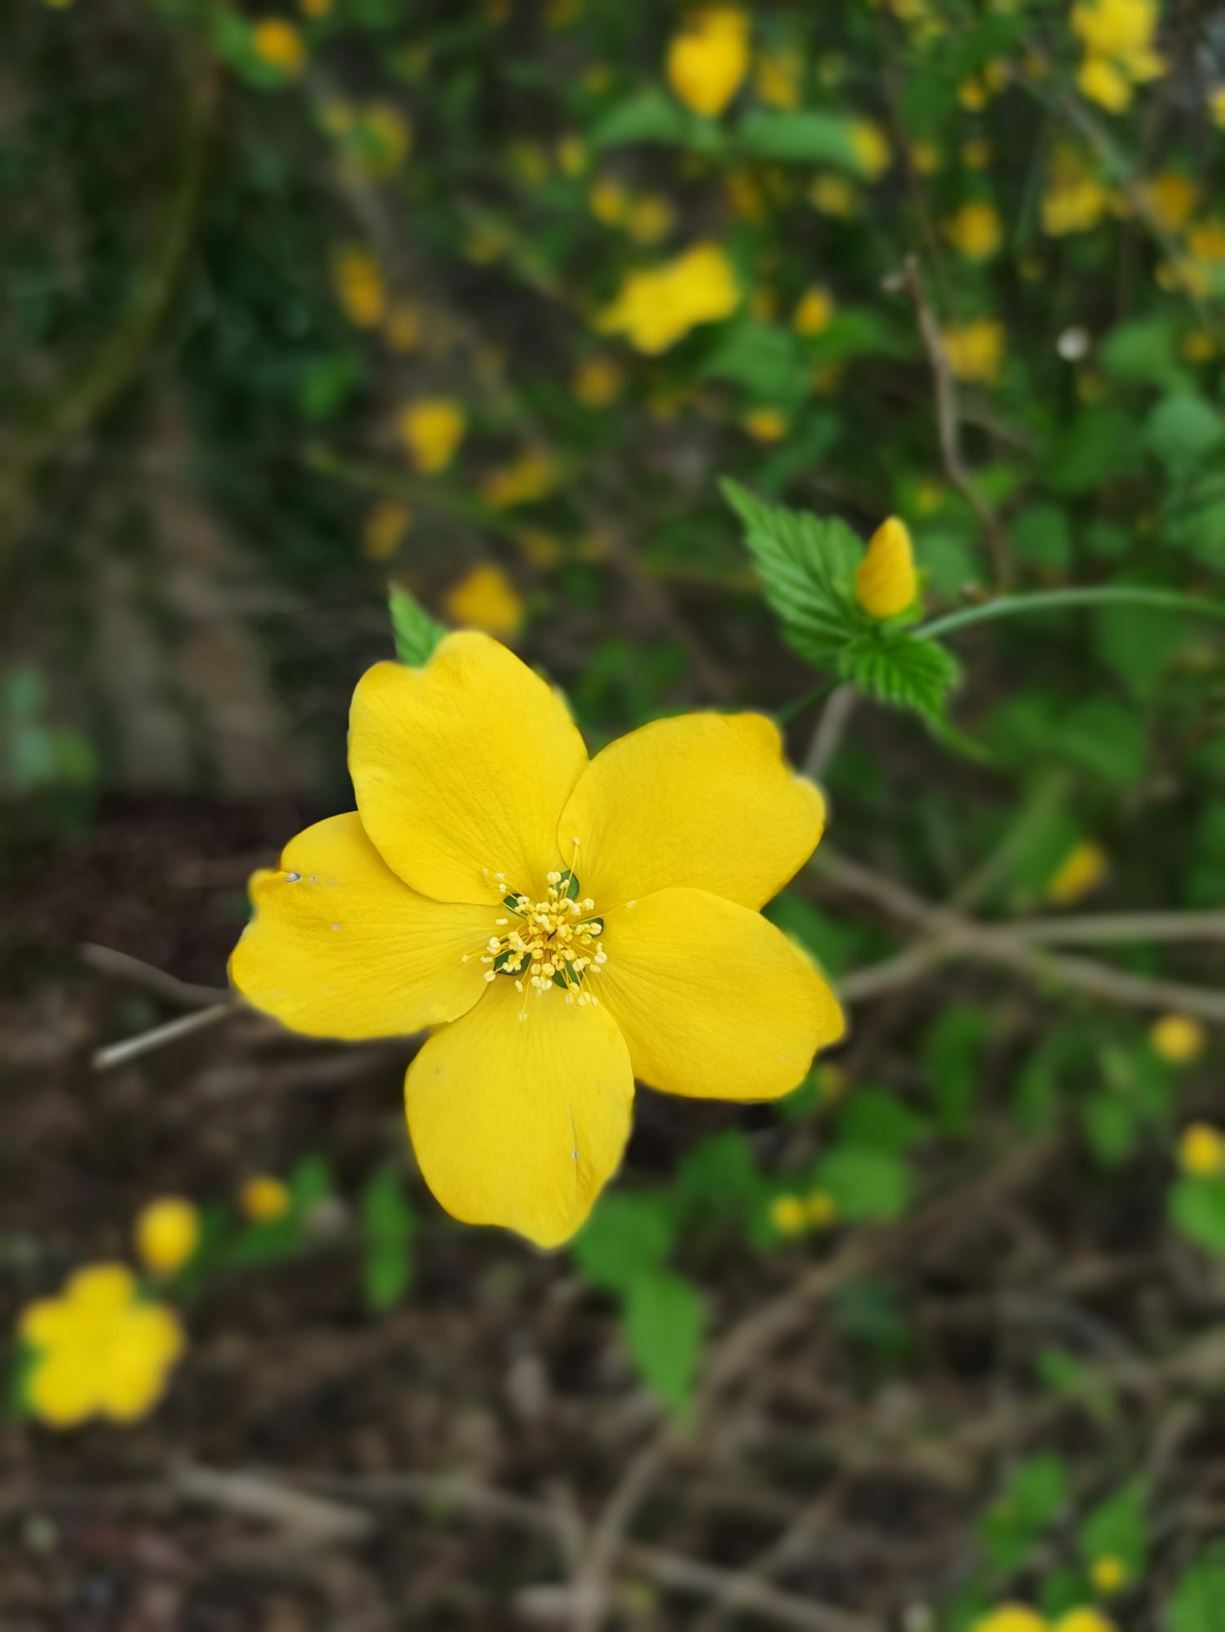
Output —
<point x="792" y="710"/>
<point x="1053" y="600"/>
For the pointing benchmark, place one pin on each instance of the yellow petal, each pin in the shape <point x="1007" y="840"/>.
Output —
<point x="133" y="1368"/>
<point x="47" y="1323"/>
<point x="704" y="799"/>
<point x="521" y="1122"/>
<point x="462" y="768"/>
<point x="100" y="1289"/>
<point x="714" y="1001"/>
<point x="340" y="947"/>
<point x="62" y="1389"/>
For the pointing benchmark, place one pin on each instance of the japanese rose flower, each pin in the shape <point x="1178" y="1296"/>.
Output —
<point x="560" y="925"/>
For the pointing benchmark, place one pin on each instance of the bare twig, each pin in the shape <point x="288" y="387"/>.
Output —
<point x="123" y="966"/>
<point x="948" y="422"/>
<point x="835" y="717"/>
<point x="171" y="1031"/>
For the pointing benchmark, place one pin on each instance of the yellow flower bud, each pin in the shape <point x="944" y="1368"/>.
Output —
<point x="708" y="59"/>
<point x="1177" y="1038"/>
<point x="1081" y="870"/>
<point x="485" y="598"/>
<point x="1201" y="1151"/>
<point x="278" y="44"/>
<point x="788" y="1215"/>
<point x="264" y="1199"/>
<point x="886" y="582"/>
<point x="1108" y="1574"/>
<point x="167" y="1234"/>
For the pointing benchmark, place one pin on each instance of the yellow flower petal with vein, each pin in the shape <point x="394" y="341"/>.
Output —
<point x="703" y="799"/>
<point x="341" y="947"/>
<point x="714" y="1001"/>
<point x="462" y="769"/>
<point x="521" y="1121"/>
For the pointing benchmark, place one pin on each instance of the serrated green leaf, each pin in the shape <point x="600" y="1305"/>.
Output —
<point x="416" y="633"/>
<point x="808" y="568"/>
<point x="664" y="1319"/>
<point x="904" y="670"/>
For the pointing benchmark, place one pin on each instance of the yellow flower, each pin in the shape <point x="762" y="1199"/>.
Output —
<point x="264" y="1198"/>
<point x="404" y="327"/>
<point x="1201" y="1150"/>
<point x="1207" y="241"/>
<point x="608" y="201"/>
<point x="1085" y="1619"/>
<point x="1171" y="197"/>
<point x="708" y="59"/>
<point x="821" y="1209"/>
<point x="1108" y="1575"/>
<point x="1075" y="199"/>
<point x="788" y="1215"/>
<point x="925" y="157"/>
<point x="650" y="218"/>
<point x="359" y="286"/>
<point x="1081" y="871"/>
<point x="871" y="147"/>
<point x="167" y="1234"/>
<point x="99" y="1349"/>
<point x="559" y="926"/>
<point x="598" y="382"/>
<point x="1103" y="82"/>
<point x="525" y="480"/>
<point x="886" y="582"/>
<point x="1011" y="1618"/>
<point x="1177" y="1038"/>
<point x="383" y="138"/>
<point x="975" y="350"/>
<point x="765" y="424"/>
<point x="1117" y="36"/>
<point x="833" y="195"/>
<point x="278" y="44"/>
<point x="571" y="155"/>
<point x="659" y="305"/>
<point x="975" y="231"/>
<point x="973" y="95"/>
<point x="485" y="598"/>
<point x="813" y="310"/>
<point x="432" y="429"/>
<point x="385" y="528"/>
<point x="314" y="8"/>
<point x="1216" y="107"/>
<point x="777" y="80"/>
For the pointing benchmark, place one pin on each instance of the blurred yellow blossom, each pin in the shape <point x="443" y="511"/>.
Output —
<point x="1216" y="106"/>
<point x="821" y="1208"/>
<point x="1084" y="1619"/>
<point x="765" y="424"/>
<point x="1117" y="36"/>
<point x="485" y="598"/>
<point x="608" y="200"/>
<point x="973" y="94"/>
<point x="278" y="44"/>
<point x="975" y="231"/>
<point x="1197" y="346"/>
<point x="886" y="582"/>
<point x="358" y="281"/>
<point x="925" y="157"/>
<point x="314" y="8"/>
<point x="598" y="382"/>
<point x="100" y="1350"/>
<point x="384" y="138"/>
<point x="1206" y="241"/>
<point x="531" y="476"/>
<point x="264" y="1198"/>
<point x="385" y="528"/>
<point x="1201" y="1150"/>
<point x="813" y="310"/>
<point x="708" y="59"/>
<point x="432" y="429"/>
<point x="659" y="305"/>
<point x="777" y="80"/>
<point x="404" y="327"/>
<point x="975" y="350"/>
<point x="167" y="1234"/>
<point x="1011" y="1618"/>
<point x="1079" y="873"/>
<point x="1171" y="197"/>
<point x="788" y="1215"/>
<point x="1075" y="199"/>
<point x="1177" y="1038"/>
<point x="833" y="195"/>
<point x="571" y="155"/>
<point x="871" y="147"/>
<point x="529" y="162"/>
<point x="1108" y="1574"/>
<point x="650" y="218"/>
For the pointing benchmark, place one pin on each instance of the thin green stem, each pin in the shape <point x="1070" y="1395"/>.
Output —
<point x="1054" y="600"/>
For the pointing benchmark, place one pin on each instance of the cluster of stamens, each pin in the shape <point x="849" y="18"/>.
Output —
<point x="542" y="944"/>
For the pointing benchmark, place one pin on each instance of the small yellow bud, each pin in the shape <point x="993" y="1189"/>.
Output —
<point x="485" y="598"/>
<point x="788" y="1215"/>
<point x="708" y="59"/>
<point x="1081" y="870"/>
<point x="1201" y="1151"/>
<point x="432" y="429"/>
<point x="886" y="582"/>
<point x="278" y="44"/>
<point x="1177" y="1038"/>
<point x="765" y="424"/>
<point x="813" y="311"/>
<point x="264" y="1198"/>
<point x="822" y="1209"/>
<point x="385" y="528"/>
<point x="167" y="1234"/>
<point x="1107" y="1573"/>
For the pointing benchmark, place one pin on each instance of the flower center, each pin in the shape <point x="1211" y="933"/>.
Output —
<point x="542" y="944"/>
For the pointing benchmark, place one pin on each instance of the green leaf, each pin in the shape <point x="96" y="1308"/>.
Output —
<point x="416" y="632"/>
<point x="626" y="1237"/>
<point x="798" y="137"/>
<point x="1111" y="1127"/>
<point x="904" y="670"/>
<point x="1182" y="431"/>
<point x="1106" y="738"/>
<point x="1035" y="1496"/>
<point x="311" y="1183"/>
<point x="1138" y="644"/>
<point x="719" y="1176"/>
<point x="664" y="1319"/>
<point x="764" y="359"/>
<point x="652" y="116"/>
<point x="1083" y="456"/>
<point x="877" y="1120"/>
<point x="1042" y="537"/>
<point x="1143" y="351"/>
<point x="1197" y="1209"/>
<point x="867" y="1185"/>
<point x="808" y="568"/>
<point x="388" y="1228"/>
<point x="951" y="1057"/>
<point x="1117" y="1528"/>
<point x="1197" y="1603"/>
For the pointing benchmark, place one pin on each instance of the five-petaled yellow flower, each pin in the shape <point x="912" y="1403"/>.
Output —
<point x="709" y="58"/>
<point x="659" y="305"/>
<point x="561" y="925"/>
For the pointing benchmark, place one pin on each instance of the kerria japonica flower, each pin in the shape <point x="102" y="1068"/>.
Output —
<point x="559" y="925"/>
